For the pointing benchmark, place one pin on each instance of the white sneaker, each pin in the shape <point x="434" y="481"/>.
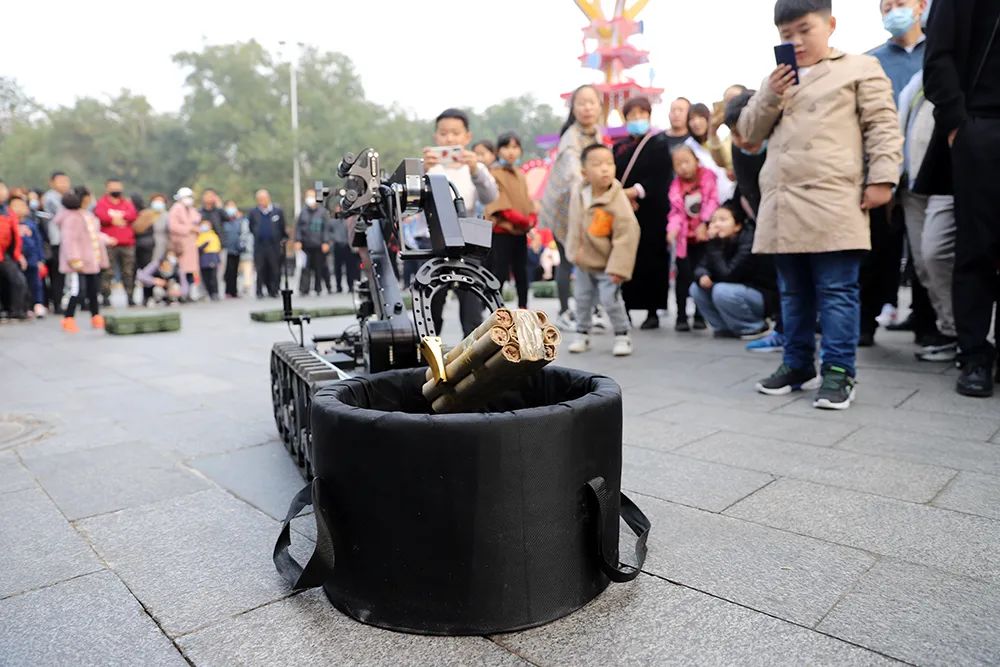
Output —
<point x="887" y="316"/>
<point x="580" y="344"/>
<point x="40" y="311"/>
<point x="566" y="320"/>
<point x="601" y="323"/>
<point x="622" y="346"/>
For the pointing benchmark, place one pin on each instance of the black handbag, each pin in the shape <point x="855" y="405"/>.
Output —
<point x="465" y="524"/>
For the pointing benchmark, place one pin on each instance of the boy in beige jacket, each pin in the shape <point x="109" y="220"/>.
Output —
<point x="601" y="242"/>
<point x="834" y="153"/>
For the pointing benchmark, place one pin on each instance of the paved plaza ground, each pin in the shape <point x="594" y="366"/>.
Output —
<point x="142" y="482"/>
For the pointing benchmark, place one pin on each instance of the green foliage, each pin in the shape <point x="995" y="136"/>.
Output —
<point x="233" y="131"/>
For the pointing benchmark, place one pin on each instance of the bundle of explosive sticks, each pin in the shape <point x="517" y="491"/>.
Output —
<point x="508" y="346"/>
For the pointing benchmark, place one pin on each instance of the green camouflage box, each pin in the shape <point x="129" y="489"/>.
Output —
<point x="137" y="323"/>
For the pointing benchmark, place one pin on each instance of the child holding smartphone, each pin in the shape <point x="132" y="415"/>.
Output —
<point x="836" y="151"/>
<point x="473" y="180"/>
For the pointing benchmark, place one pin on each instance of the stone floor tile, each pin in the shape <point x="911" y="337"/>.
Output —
<point x="782" y="427"/>
<point x="192" y="560"/>
<point x="785" y="575"/>
<point x="105" y="479"/>
<point x="263" y="476"/>
<point x="972" y="493"/>
<point x="824" y="465"/>
<point x="39" y="547"/>
<point x="13" y="475"/>
<point x="947" y="452"/>
<point x="688" y="481"/>
<point x="307" y="630"/>
<point x="958" y="543"/>
<point x="652" y="622"/>
<point x="660" y="435"/>
<point x="90" y="620"/>
<point x="920" y="615"/>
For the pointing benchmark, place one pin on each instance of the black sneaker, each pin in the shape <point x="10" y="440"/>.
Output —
<point x="682" y="326"/>
<point x="651" y="322"/>
<point x="699" y="323"/>
<point x="866" y="340"/>
<point x="786" y="379"/>
<point x="837" y="390"/>
<point x="975" y="381"/>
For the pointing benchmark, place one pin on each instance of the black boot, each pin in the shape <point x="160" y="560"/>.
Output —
<point x="975" y="381"/>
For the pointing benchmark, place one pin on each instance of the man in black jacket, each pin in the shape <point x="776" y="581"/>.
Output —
<point x="267" y="224"/>
<point x="962" y="79"/>
<point x="313" y="236"/>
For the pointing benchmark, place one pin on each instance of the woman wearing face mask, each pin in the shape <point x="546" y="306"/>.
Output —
<point x="643" y="165"/>
<point x="184" y="223"/>
<point x="581" y="129"/>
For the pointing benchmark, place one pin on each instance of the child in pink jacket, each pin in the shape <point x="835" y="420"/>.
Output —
<point x="694" y="197"/>
<point x="82" y="254"/>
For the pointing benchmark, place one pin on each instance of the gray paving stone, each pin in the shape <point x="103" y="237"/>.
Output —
<point x="946" y="400"/>
<point x="661" y="435"/>
<point x="925" y="448"/>
<point x="687" y="481"/>
<point x="39" y="547"/>
<point x="13" y="475"/>
<point x="74" y="434"/>
<point x="782" y="427"/>
<point x="652" y="622"/>
<point x="90" y="620"/>
<point x="263" y="476"/>
<point x="957" y="543"/>
<point x="789" y="576"/>
<point x="882" y="476"/>
<point x="307" y="630"/>
<point x="200" y="432"/>
<point x="187" y="384"/>
<point x="105" y="479"/>
<point x="920" y="615"/>
<point x="973" y="493"/>
<point x="924" y="423"/>
<point x="192" y="560"/>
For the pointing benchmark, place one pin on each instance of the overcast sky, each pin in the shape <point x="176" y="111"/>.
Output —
<point x="425" y="55"/>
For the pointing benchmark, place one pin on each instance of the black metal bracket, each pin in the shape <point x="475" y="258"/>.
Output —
<point x="442" y="273"/>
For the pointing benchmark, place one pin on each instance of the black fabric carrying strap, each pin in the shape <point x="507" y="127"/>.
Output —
<point x="319" y="567"/>
<point x="634" y="518"/>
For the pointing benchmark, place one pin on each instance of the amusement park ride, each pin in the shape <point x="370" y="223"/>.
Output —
<point x="613" y="54"/>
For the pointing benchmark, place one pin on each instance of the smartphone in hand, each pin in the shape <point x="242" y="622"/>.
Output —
<point x="784" y="54"/>
<point x="448" y="154"/>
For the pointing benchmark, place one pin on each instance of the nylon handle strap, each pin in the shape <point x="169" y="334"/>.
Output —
<point x="616" y="571"/>
<point x="319" y="567"/>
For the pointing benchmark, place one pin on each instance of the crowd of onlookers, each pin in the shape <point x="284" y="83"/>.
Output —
<point x="798" y="220"/>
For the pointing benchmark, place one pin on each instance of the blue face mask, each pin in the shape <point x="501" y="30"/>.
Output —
<point x="637" y="128"/>
<point x="899" y="21"/>
<point x="506" y="163"/>
<point x="763" y="147"/>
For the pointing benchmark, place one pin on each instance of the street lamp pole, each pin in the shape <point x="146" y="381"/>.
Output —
<point x="294" y="101"/>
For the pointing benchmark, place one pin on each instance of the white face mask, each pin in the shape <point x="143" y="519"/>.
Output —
<point x="187" y="201"/>
<point x="310" y="201"/>
<point x="158" y="206"/>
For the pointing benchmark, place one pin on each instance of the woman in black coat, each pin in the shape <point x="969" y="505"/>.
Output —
<point x="644" y="167"/>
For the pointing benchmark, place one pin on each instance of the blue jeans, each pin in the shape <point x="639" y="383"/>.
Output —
<point x="730" y="307"/>
<point x="823" y="284"/>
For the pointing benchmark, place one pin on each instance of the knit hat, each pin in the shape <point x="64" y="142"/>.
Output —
<point x="182" y="193"/>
